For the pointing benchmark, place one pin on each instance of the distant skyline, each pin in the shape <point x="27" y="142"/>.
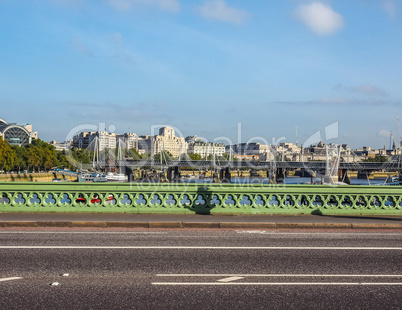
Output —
<point x="204" y="66"/>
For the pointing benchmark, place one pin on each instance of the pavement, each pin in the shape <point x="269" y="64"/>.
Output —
<point x="198" y="221"/>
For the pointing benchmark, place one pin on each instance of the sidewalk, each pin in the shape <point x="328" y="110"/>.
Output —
<point x="199" y="221"/>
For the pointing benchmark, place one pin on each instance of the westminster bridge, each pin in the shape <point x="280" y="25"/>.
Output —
<point x="145" y="196"/>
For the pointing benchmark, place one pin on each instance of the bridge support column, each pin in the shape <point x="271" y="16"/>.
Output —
<point x="224" y="175"/>
<point x="177" y="174"/>
<point x="169" y="174"/>
<point x="363" y="175"/>
<point x="271" y="176"/>
<point x="280" y="175"/>
<point x="343" y="176"/>
<point x="129" y="173"/>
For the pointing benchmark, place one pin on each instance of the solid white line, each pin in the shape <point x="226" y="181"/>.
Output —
<point x="196" y="247"/>
<point x="275" y="283"/>
<point x="281" y="275"/>
<point x="9" y="279"/>
<point x="326" y="233"/>
<point x="230" y="279"/>
<point x="85" y="232"/>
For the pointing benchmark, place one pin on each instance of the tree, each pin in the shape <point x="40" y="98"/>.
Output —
<point x="80" y="156"/>
<point x="62" y="160"/>
<point x="20" y="160"/>
<point x="7" y="156"/>
<point x="34" y="157"/>
<point x="195" y="156"/>
<point x="49" y="159"/>
<point x="376" y="159"/>
<point x="226" y="156"/>
<point x="164" y="155"/>
<point x="134" y="154"/>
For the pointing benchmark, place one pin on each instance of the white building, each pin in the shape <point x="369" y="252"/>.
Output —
<point x="129" y="140"/>
<point x="102" y="140"/>
<point x="165" y="141"/>
<point x="206" y="148"/>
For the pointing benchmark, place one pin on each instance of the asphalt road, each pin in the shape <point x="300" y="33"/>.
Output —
<point x="199" y="269"/>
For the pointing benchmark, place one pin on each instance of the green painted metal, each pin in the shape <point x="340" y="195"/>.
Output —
<point x="184" y="198"/>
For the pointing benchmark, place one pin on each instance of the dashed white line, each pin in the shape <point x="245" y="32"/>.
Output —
<point x="9" y="279"/>
<point x="230" y="279"/>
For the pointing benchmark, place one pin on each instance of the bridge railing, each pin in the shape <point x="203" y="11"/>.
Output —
<point x="184" y="198"/>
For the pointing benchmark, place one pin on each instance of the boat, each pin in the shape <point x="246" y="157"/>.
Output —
<point x="116" y="177"/>
<point x="91" y="177"/>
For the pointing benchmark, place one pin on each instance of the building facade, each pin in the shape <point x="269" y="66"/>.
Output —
<point x="165" y="141"/>
<point x="205" y="149"/>
<point x="17" y="134"/>
<point x="99" y="140"/>
<point x="129" y="140"/>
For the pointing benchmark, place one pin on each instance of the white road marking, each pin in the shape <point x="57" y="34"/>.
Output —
<point x="275" y="283"/>
<point x="230" y="279"/>
<point x="197" y="247"/>
<point x="9" y="279"/>
<point x="86" y="232"/>
<point x="324" y="233"/>
<point x="279" y="275"/>
<point x="251" y="232"/>
<point x="238" y="232"/>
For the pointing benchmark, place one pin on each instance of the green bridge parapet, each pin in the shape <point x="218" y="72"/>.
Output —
<point x="185" y="198"/>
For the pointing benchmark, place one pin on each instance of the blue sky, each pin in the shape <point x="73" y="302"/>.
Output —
<point x="204" y="67"/>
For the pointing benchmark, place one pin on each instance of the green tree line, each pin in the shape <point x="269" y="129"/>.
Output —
<point x="37" y="156"/>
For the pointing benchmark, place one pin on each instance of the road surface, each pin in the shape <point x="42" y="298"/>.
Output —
<point x="199" y="269"/>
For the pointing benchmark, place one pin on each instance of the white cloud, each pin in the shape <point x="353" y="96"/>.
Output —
<point x="364" y="89"/>
<point x="367" y="89"/>
<point x="125" y="5"/>
<point x="330" y="101"/>
<point x="320" y="18"/>
<point x="120" y="51"/>
<point x="219" y="10"/>
<point x="390" y="7"/>
<point x="384" y="133"/>
<point x="79" y="46"/>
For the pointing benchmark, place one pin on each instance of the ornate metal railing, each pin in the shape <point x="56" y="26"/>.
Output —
<point x="200" y="198"/>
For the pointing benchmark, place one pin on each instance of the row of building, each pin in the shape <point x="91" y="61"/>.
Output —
<point x="167" y="140"/>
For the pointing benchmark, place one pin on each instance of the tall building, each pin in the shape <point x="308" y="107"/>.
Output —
<point x="130" y="140"/>
<point x="165" y="141"/>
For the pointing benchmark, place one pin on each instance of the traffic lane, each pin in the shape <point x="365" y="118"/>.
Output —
<point x="140" y="293"/>
<point x="197" y="237"/>
<point x="106" y="262"/>
<point x="126" y="278"/>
